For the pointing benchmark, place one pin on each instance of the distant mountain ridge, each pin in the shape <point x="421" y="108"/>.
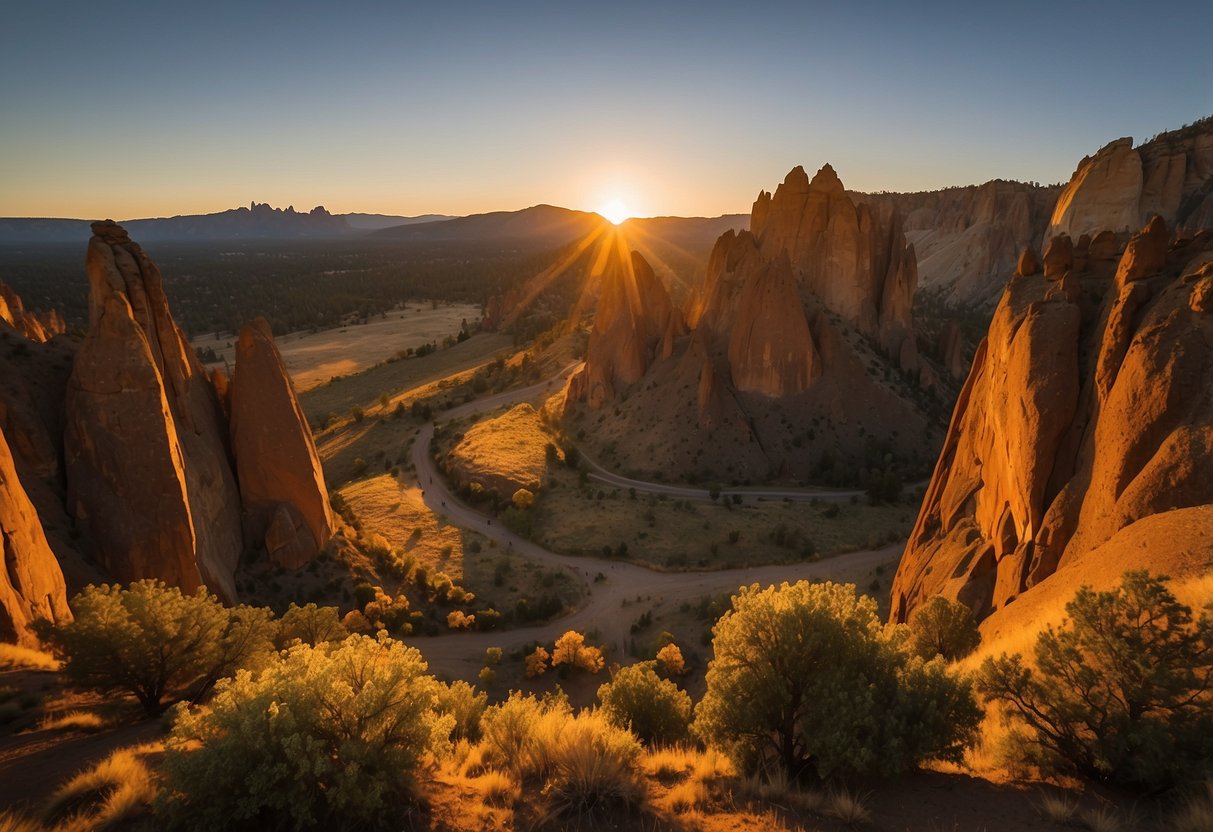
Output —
<point x="257" y="221"/>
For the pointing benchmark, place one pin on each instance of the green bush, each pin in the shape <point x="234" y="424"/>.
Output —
<point x="806" y="679"/>
<point x="324" y="737"/>
<point x="466" y="706"/>
<point x="945" y="628"/>
<point x="309" y="624"/>
<point x="152" y="641"/>
<point x="1122" y="691"/>
<point x="655" y="709"/>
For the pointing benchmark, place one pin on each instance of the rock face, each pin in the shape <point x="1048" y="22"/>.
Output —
<point x="802" y="348"/>
<point x="968" y="239"/>
<point x="635" y="324"/>
<point x="36" y="326"/>
<point x="148" y="474"/>
<point x="31" y="584"/>
<point x="1121" y="187"/>
<point x="1088" y="409"/>
<point x="281" y="483"/>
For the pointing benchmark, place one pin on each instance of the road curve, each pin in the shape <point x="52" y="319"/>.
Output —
<point x="460" y="655"/>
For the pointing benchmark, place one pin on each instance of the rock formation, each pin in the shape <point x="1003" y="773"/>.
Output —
<point x="1121" y="187"/>
<point x="1088" y="409"/>
<point x="635" y="324"/>
<point x="284" y="497"/>
<point x="967" y="240"/>
<point x="802" y="349"/>
<point x="31" y="583"/>
<point x="36" y="325"/>
<point x="148" y="474"/>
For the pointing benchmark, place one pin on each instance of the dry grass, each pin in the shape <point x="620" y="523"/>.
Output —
<point x="670" y="763"/>
<point x="688" y="795"/>
<point x="1196" y="813"/>
<point x="117" y="790"/>
<point x="847" y="807"/>
<point x="1057" y="808"/>
<point x="73" y="721"/>
<point x="11" y="822"/>
<point x="503" y="453"/>
<point x="671" y="534"/>
<point x="498" y="788"/>
<point x="313" y="358"/>
<point x="13" y="657"/>
<point x="398" y="513"/>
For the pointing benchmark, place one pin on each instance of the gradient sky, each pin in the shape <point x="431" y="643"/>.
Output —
<point x="129" y="110"/>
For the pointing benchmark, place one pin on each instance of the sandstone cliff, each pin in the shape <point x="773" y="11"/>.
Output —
<point x="635" y="324"/>
<point x="1088" y="410"/>
<point x="31" y="583"/>
<point x="149" y="480"/>
<point x="967" y="239"/>
<point x="281" y="484"/>
<point x="1121" y="187"/>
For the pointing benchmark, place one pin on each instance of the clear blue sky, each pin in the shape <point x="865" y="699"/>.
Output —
<point x="145" y="109"/>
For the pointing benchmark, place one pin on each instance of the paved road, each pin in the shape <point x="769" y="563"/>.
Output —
<point x="461" y="654"/>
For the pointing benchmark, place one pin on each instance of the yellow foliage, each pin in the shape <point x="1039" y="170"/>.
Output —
<point x="669" y="659"/>
<point x="572" y="650"/>
<point x="537" y="662"/>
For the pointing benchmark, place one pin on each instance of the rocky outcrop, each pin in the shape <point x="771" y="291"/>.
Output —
<point x="35" y="325"/>
<point x="1088" y="408"/>
<point x="281" y="483"/>
<point x="634" y="325"/>
<point x="967" y="240"/>
<point x="803" y="348"/>
<point x="148" y="474"/>
<point x="1121" y="187"/>
<point x="31" y="583"/>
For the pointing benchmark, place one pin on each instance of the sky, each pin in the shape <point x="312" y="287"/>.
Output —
<point x="129" y="110"/>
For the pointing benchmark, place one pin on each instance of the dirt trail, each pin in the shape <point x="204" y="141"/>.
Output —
<point x="461" y="654"/>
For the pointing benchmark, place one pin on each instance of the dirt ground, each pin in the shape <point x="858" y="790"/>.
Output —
<point x="314" y="358"/>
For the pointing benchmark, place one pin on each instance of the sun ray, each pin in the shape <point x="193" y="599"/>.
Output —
<point x="541" y="281"/>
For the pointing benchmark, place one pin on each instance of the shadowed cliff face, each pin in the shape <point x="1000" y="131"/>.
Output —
<point x="31" y="583"/>
<point x="37" y="326"/>
<point x="281" y="484"/>
<point x="1088" y="408"/>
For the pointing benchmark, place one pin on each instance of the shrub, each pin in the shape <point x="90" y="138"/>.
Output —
<point x="1123" y="690"/>
<point x="670" y="661"/>
<point x="653" y="708"/>
<point x="945" y="628"/>
<point x="572" y="651"/>
<point x="324" y="737"/>
<point x="805" y="679"/>
<point x="309" y="624"/>
<point x="517" y="733"/>
<point x="466" y="706"/>
<point x="523" y="499"/>
<point x="594" y="768"/>
<point x="152" y="641"/>
<point x="537" y="662"/>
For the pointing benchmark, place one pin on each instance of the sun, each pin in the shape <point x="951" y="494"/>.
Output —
<point x="614" y="211"/>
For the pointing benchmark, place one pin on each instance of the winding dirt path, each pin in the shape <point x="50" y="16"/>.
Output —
<point x="460" y="654"/>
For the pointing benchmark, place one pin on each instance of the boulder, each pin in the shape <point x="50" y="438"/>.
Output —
<point x="1146" y="253"/>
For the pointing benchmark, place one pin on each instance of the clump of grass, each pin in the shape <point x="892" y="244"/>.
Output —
<point x="711" y="766"/>
<point x="11" y="822"/>
<point x="847" y="807"/>
<point x="1102" y="819"/>
<point x="669" y="764"/>
<point x="106" y="796"/>
<point x="73" y="720"/>
<point x="688" y="795"/>
<point x="1196" y="813"/>
<point x="13" y="656"/>
<point x="499" y="788"/>
<point x="594" y="770"/>
<point x="1057" y="808"/>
